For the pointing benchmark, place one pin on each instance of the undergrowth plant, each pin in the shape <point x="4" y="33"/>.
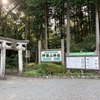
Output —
<point x="46" y="69"/>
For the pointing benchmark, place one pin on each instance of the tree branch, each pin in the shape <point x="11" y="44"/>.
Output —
<point x="10" y="11"/>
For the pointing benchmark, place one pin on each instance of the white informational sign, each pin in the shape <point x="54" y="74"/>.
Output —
<point x="50" y="55"/>
<point x="92" y="63"/>
<point x="75" y="62"/>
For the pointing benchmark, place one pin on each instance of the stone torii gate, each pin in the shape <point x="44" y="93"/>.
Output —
<point x="11" y="44"/>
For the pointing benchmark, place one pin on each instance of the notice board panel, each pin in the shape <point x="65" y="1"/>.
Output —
<point x="75" y="62"/>
<point x="92" y="63"/>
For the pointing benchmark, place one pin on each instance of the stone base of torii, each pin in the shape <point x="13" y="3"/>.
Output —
<point x="11" y="44"/>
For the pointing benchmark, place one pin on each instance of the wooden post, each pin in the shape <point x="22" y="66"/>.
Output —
<point x="39" y="52"/>
<point x="62" y="49"/>
<point x="3" y="59"/>
<point x="20" y="60"/>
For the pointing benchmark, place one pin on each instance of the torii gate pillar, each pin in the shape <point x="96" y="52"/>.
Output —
<point x="3" y="59"/>
<point x="20" y="61"/>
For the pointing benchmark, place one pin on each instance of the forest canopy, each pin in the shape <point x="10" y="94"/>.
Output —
<point x="32" y="19"/>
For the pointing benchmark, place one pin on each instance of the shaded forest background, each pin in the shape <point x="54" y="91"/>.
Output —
<point x="31" y="19"/>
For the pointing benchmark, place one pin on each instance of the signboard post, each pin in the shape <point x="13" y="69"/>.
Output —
<point x="39" y="52"/>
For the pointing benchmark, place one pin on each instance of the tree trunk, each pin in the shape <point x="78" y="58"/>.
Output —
<point x="68" y="28"/>
<point x="46" y="26"/>
<point x="97" y="26"/>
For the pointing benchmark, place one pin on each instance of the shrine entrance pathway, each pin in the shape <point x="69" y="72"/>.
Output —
<point x="21" y="88"/>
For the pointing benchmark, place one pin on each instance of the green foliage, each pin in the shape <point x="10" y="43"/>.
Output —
<point x="32" y="64"/>
<point x="12" y="62"/>
<point x="31" y="17"/>
<point x="77" y="2"/>
<point x="30" y="72"/>
<point x="81" y="2"/>
<point x="46" y="69"/>
<point x="82" y="74"/>
<point x="52" y="68"/>
<point x="88" y="44"/>
<point x="41" y="71"/>
<point x="76" y="72"/>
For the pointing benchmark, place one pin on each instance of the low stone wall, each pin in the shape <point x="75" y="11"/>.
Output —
<point x="64" y="77"/>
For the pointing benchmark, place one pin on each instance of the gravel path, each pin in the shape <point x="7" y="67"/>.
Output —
<point x="20" y="88"/>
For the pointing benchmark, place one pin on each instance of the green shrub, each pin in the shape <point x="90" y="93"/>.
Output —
<point x="30" y="72"/>
<point x="46" y="69"/>
<point x="31" y="64"/>
<point x="75" y="71"/>
<point x="87" y="44"/>
<point x="12" y="62"/>
<point x="41" y="72"/>
<point x="51" y="68"/>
